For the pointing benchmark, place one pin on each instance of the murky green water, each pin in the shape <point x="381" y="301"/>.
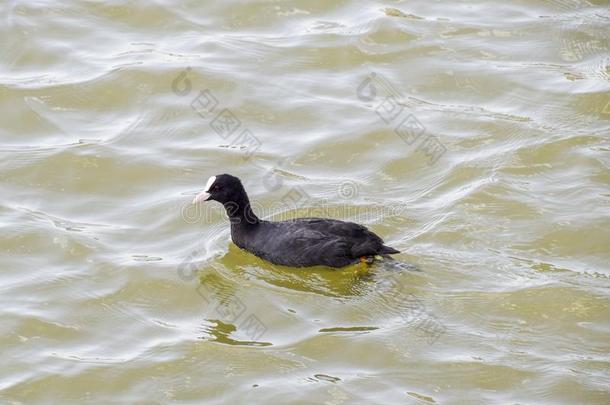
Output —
<point x="473" y="136"/>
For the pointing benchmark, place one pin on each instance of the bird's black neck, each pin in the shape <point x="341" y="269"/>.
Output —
<point x="240" y="212"/>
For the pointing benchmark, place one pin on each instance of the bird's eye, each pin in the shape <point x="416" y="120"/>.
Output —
<point x="215" y="188"/>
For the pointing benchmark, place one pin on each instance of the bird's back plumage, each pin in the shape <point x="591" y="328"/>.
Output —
<point x="305" y="242"/>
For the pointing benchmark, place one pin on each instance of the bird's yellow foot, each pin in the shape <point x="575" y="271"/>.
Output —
<point x="364" y="263"/>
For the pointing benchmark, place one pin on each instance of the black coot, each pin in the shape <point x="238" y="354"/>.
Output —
<point x="301" y="242"/>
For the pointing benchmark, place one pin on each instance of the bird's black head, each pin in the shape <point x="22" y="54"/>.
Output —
<point x="225" y="189"/>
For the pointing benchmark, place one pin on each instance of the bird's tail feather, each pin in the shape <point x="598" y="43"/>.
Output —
<point x="386" y="250"/>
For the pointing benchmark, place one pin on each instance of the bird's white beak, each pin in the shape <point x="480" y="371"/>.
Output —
<point x="203" y="196"/>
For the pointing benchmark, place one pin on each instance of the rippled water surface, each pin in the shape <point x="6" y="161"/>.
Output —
<point x="471" y="135"/>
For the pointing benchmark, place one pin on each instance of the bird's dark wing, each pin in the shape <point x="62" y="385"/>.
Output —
<point x="300" y="246"/>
